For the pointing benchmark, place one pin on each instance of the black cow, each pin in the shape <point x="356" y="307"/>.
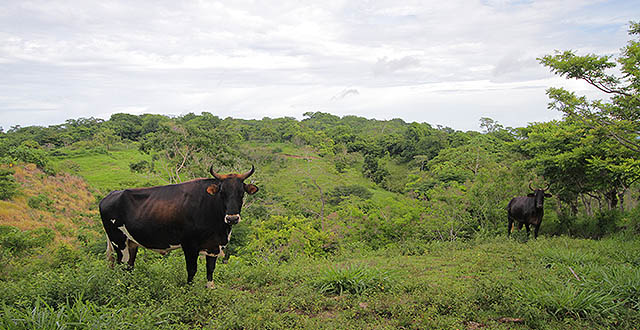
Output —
<point x="527" y="210"/>
<point x="196" y="216"/>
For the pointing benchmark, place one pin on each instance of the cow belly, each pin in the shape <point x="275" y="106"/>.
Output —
<point x="162" y="250"/>
<point x="167" y="250"/>
<point x="213" y="248"/>
<point x="534" y="220"/>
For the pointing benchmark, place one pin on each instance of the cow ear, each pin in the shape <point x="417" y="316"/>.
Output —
<point x="213" y="189"/>
<point x="250" y="189"/>
<point x="531" y="195"/>
<point x="548" y="195"/>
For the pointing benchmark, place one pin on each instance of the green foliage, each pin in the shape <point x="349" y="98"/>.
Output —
<point x="354" y="279"/>
<point x="618" y="118"/>
<point x="126" y="126"/>
<point x="8" y="184"/>
<point x="75" y="314"/>
<point x="448" y="285"/>
<point x="339" y="193"/>
<point x="19" y="242"/>
<point x="373" y="169"/>
<point x="286" y="237"/>
<point x="30" y="152"/>
<point x="140" y="167"/>
<point x="40" y="202"/>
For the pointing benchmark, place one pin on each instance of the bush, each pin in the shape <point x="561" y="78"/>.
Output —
<point x="17" y="241"/>
<point x="40" y="202"/>
<point x="285" y="237"/>
<point x="339" y="193"/>
<point x="139" y="167"/>
<point x="8" y="185"/>
<point x="28" y="154"/>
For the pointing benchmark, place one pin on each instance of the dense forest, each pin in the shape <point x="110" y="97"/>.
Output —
<point x="358" y="222"/>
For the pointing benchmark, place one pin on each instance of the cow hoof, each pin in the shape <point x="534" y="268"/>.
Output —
<point x="210" y="285"/>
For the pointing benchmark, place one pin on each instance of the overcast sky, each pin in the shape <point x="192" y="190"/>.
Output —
<point x="442" y="62"/>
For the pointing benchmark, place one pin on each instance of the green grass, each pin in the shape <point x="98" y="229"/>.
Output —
<point x="449" y="285"/>
<point x="110" y="171"/>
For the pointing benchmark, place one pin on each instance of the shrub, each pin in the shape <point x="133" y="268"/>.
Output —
<point x="17" y="241"/>
<point x="8" y="185"/>
<point x="29" y="154"/>
<point x="139" y="167"/>
<point x="285" y="237"/>
<point x="40" y="202"/>
<point x="339" y="193"/>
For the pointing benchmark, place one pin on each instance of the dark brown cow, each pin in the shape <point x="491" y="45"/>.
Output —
<point x="195" y="216"/>
<point x="527" y="210"/>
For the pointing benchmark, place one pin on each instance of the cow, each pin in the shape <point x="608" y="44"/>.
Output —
<point x="527" y="210"/>
<point x="195" y="216"/>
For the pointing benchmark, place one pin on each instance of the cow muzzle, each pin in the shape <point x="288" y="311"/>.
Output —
<point x="232" y="219"/>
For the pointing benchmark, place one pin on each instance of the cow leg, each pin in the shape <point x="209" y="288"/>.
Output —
<point x="528" y="230"/>
<point x="535" y="231"/>
<point x="133" y="251"/>
<point x="509" y="226"/>
<point x="109" y="252"/>
<point x="191" y="258"/>
<point x="211" y="266"/>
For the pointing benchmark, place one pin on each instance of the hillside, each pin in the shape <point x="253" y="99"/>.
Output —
<point x="357" y="224"/>
<point x="61" y="203"/>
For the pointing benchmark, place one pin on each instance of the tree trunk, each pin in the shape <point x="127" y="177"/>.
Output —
<point x="612" y="199"/>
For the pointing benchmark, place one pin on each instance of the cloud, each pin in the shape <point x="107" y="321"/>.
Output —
<point x="345" y="93"/>
<point x="411" y="59"/>
<point x="386" y="66"/>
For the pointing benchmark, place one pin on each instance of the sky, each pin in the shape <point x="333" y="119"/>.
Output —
<point x="446" y="63"/>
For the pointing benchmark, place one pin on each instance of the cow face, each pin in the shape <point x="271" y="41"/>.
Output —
<point x="539" y="196"/>
<point x="231" y="188"/>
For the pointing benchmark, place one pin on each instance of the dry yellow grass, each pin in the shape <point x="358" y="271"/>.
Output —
<point x="71" y="200"/>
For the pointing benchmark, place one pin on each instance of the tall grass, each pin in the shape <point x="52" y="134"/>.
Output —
<point x="354" y="279"/>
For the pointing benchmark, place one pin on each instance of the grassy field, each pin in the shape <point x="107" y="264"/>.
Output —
<point x="482" y="283"/>
<point x="551" y="283"/>
<point x="108" y="171"/>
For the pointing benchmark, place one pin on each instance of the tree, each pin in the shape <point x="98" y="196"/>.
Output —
<point x="186" y="149"/>
<point x="126" y="126"/>
<point x="579" y="163"/>
<point x="619" y="116"/>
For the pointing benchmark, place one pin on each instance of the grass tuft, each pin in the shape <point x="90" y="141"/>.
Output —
<point x="354" y="279"/>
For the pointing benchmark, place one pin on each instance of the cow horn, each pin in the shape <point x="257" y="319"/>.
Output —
<point x="247" y="174"/>
<point x="547" y="187"/>
<point x="530" y="182"/>
<point x="215" y="175"/>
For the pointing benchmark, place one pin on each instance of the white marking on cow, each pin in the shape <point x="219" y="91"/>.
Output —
<point x="232" y="215"/>
<point x="124" y="230"/>
<point x="209" y="254"/>
<point x="113" y="221"/>
<point x="125" y="254"/>
<point x="165" y="251"/>
<point x="210" y="285"/>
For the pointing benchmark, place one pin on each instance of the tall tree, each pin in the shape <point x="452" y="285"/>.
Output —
<point x="619" y="116"/>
